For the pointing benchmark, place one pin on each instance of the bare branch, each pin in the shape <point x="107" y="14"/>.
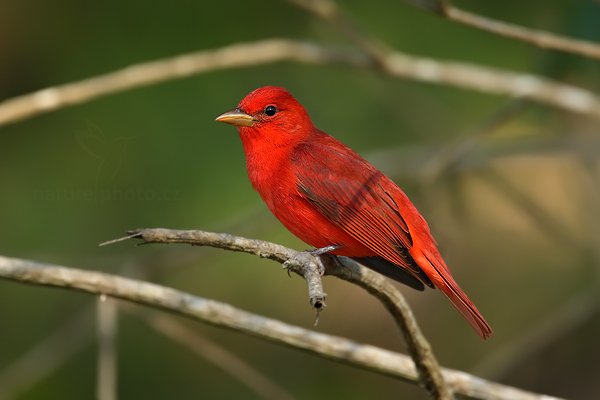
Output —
<point x="429" y="370"/>
<point x="153" y="72"/>
<point x="223" y="315"/>
<point x="539" y="38"/>
<point x="394" y="64"/>
<point x="494" y="81"/>
<point x="309" y="270"/>
<point x="427" y="366"/>
<point x="381" y="54"/>
<point x="330" y="12"/>
<point x="388" y="61"/>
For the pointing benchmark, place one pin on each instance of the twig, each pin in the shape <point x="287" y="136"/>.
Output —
<point x="539" y="38"/>
<point x="385" y="58"/>
<point x="220" y="314"/>
<point x="310" y="271"/>
<point x="395" y="64"/>
<point x="330" y="12"/>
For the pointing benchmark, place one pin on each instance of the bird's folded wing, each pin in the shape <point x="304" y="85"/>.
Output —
<point x="352" y="195"/>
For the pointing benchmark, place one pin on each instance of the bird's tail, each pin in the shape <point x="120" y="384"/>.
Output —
<point x="435" y="268"/>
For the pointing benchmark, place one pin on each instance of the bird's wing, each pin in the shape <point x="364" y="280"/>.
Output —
<point x="358" y="199"/>
<point x="369" y="207"/>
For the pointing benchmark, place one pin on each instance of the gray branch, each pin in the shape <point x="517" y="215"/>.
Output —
<point x="309" y="268"/>
<point x="224" y="315"/>
<point x="539" y="38"/>
<point x="392" y="63"/>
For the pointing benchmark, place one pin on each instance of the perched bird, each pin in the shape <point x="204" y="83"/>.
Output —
<point x="333" y="199"/>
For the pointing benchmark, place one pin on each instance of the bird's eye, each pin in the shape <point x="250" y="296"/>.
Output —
<point x="270" y="110"/>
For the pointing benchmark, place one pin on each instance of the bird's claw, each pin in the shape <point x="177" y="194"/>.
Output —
<point x="301" y="260"/>
<point x="304" y="258"/>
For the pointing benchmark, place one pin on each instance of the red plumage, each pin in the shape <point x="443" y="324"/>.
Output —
<point x="326" y="194"/>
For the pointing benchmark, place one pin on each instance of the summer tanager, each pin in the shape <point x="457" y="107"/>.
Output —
<point x="333" y="199"/>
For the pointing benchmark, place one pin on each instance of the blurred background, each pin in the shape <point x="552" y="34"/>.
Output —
<point x="510" y="189"/>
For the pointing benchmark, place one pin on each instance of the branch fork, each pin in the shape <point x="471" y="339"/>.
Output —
<point x="423" y="368"/>
<point x="311" y="268"/>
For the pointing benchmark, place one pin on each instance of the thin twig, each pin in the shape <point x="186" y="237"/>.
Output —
<point x="539" y="38"/>
<point x="395" y="64"/>
<point x="332" y="14"/>
<point x="383" y="56"/>
<point x="224" y="315"/>
<point x="310" y="270"/>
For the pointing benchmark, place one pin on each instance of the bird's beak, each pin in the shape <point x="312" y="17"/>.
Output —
<point x="236" y="117"/>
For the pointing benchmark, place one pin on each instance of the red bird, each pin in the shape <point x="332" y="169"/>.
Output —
<point x="333" y="199"/>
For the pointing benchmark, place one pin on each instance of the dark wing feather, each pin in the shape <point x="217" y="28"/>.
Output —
<point x="390" y="270"/>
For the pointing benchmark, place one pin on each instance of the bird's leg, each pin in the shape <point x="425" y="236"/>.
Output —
<point x="324" y="250"/>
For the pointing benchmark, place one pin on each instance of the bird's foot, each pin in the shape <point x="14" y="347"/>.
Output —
<point x="300" y="261"/>
<point x="304" y="258"/>
<point x="309" y="264"/>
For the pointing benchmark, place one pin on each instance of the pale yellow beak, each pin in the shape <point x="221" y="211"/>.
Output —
<point x="236" y="117"/>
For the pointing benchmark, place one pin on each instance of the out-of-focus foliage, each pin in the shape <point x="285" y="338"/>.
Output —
<point x="517" y="214"/>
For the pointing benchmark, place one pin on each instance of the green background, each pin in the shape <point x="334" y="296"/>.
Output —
<point x="516" y="215"/>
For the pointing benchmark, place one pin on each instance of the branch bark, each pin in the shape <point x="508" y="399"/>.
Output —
<point x="539" y="38"/>
<point x="418" y="346"/>
<point x="223" y="315"/>
<point x="391" y="63"/>
<point x="542" y="39"/>
<point x="420" y="350"/>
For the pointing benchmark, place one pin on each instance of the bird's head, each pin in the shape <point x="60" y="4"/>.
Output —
<point x="269" y="114"/>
